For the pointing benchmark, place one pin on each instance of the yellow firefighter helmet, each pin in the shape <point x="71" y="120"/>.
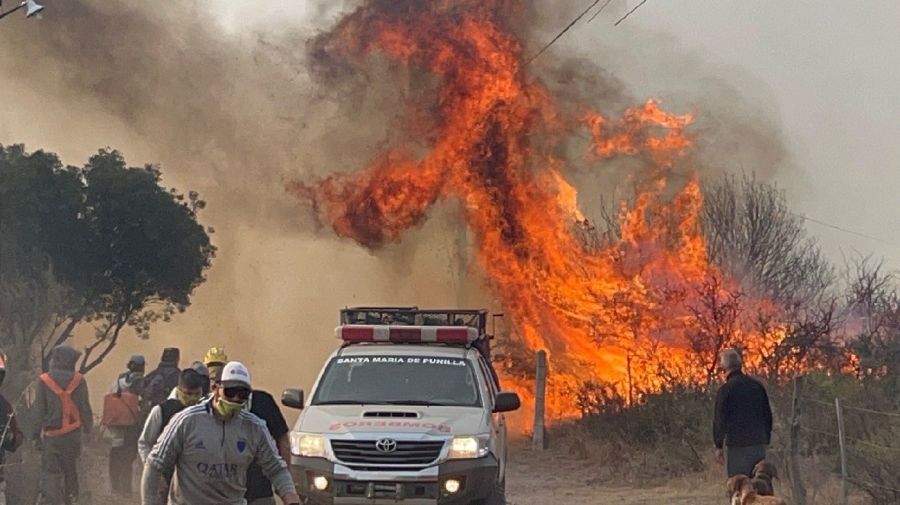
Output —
<point x="215" y="356"/>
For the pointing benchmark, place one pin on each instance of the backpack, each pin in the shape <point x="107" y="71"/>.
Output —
<point x="159" y="383"/>
<point x="121" y="408"/>
<point x="71" y="416"/>
<point x="169" y="409"/>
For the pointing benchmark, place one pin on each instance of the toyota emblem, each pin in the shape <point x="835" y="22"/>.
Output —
<point x="386" y="445"/>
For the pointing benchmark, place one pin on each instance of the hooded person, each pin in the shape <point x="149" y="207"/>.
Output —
<point x="209" y="447"/>
<point x="124" y="436"/>
<point x="62" y="411"/>
<point x="161" y="381"/>
<point x="11" y="436"/>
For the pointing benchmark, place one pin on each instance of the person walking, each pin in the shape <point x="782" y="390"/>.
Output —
<point x="160" y="382"/>
<point x="262" y="405"/>
<point x="192" y="384"/>
<point x="188" y="393"/>
<point x="742" y="423"/>
<point x="124" y="427"/>
<point x="210" y="446"/>
<point x="11" y="436"/>
<point x="62" y="411"/>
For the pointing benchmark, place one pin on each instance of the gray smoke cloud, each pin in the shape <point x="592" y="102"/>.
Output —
<point x="233" y="111"/>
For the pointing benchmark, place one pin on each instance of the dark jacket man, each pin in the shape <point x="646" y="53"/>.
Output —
<point x="743" y="418"/>
<point x="63" y="410"/>
<point x="262" y="405"/>
<point x="160" y="382"/>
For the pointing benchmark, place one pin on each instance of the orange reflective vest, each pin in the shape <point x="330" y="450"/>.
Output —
<point x="71" y="417"/>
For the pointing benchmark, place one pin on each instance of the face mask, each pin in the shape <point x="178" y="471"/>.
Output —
<point x="228" y="409"/>
<point x="187" y="399"/>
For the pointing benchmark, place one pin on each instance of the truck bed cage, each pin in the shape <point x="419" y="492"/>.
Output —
<point x="414" y="316"/>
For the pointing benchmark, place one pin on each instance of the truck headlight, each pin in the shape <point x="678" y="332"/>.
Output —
<point x="469" y="447"/>
<point x="308" y="445"/>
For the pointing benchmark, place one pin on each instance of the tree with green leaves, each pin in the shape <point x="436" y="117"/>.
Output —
<point x="104" y="244"/>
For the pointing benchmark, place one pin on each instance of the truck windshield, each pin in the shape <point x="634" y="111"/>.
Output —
<point x="398" y="380"/>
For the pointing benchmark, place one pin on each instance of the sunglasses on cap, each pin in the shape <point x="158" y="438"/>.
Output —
<point x="237" y="392"/>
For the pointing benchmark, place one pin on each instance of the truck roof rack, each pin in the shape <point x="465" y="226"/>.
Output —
<point x="414" y="325"/>
<point x="414" y="316"/>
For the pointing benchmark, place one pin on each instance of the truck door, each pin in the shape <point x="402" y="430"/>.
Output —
<point x="498" y="420"/>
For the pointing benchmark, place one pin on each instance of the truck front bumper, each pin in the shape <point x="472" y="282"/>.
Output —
<point x="347" y="486"/>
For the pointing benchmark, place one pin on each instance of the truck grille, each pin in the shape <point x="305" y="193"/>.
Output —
<point x="365" y="452"/>
<point x="395" y="491"/>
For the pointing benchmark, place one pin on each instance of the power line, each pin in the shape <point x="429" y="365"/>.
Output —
<point x="839" y="228"/>
<point x="812" y="219"/>
<point x="599" y="11"/>
<point x="636" y="7"/>
<point x="563" y="32"/>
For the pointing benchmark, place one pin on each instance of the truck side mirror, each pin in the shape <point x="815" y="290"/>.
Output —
<point x="506" y="402"/>
<point x="292" y="398"/>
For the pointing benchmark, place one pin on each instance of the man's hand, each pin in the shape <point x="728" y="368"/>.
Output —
<point x="720" y="456"/>
<point x="38" y="444"/>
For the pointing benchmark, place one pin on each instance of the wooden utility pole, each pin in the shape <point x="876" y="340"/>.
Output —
<point x="843" y="442"/>
<point x="540" y="391"/>
<point x="798" y="491"/>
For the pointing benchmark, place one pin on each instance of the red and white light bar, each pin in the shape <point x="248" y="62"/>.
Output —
<point x="356" y="333"/>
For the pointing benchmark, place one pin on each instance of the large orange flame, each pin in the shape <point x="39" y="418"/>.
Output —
<point x="614" y="310"/>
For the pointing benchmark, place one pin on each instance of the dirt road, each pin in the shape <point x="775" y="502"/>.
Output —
<point x="547" y="479"/>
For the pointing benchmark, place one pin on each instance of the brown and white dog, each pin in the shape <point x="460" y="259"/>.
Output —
<point x="741" y="491"/>
<point x="761" y="478"/>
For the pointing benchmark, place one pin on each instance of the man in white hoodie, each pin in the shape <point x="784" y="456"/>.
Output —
<point x="210" y="446"/>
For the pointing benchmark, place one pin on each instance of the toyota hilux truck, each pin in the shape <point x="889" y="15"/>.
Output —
<point x="407" y="411"/>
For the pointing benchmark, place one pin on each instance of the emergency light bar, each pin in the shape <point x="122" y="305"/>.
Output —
<point x="358" y="333"/>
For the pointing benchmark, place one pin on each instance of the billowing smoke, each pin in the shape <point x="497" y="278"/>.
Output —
<point x="229" y="114"/>
<point x="235" y="113"/>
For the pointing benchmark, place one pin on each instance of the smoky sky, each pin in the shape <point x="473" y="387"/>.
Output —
<point x="220" y="94"/>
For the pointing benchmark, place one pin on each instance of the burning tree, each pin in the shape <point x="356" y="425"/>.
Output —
<point x="633" y="311"/>
<point x="103" y="244"/>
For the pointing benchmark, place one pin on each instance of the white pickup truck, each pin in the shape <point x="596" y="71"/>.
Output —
<point x="408" y="411"/>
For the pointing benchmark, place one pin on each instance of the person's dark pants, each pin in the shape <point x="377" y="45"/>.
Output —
<point x="59" y="468"/>
<point x="741" y="460"/>
<point x="121" y="462"/>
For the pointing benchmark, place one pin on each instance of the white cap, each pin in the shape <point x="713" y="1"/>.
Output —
<point x="235" y="374"/>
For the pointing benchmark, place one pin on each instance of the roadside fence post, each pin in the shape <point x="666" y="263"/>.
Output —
<point x="798" y="491"/>
<point x="841" y="439"/>
<point x="540" y="391"/>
